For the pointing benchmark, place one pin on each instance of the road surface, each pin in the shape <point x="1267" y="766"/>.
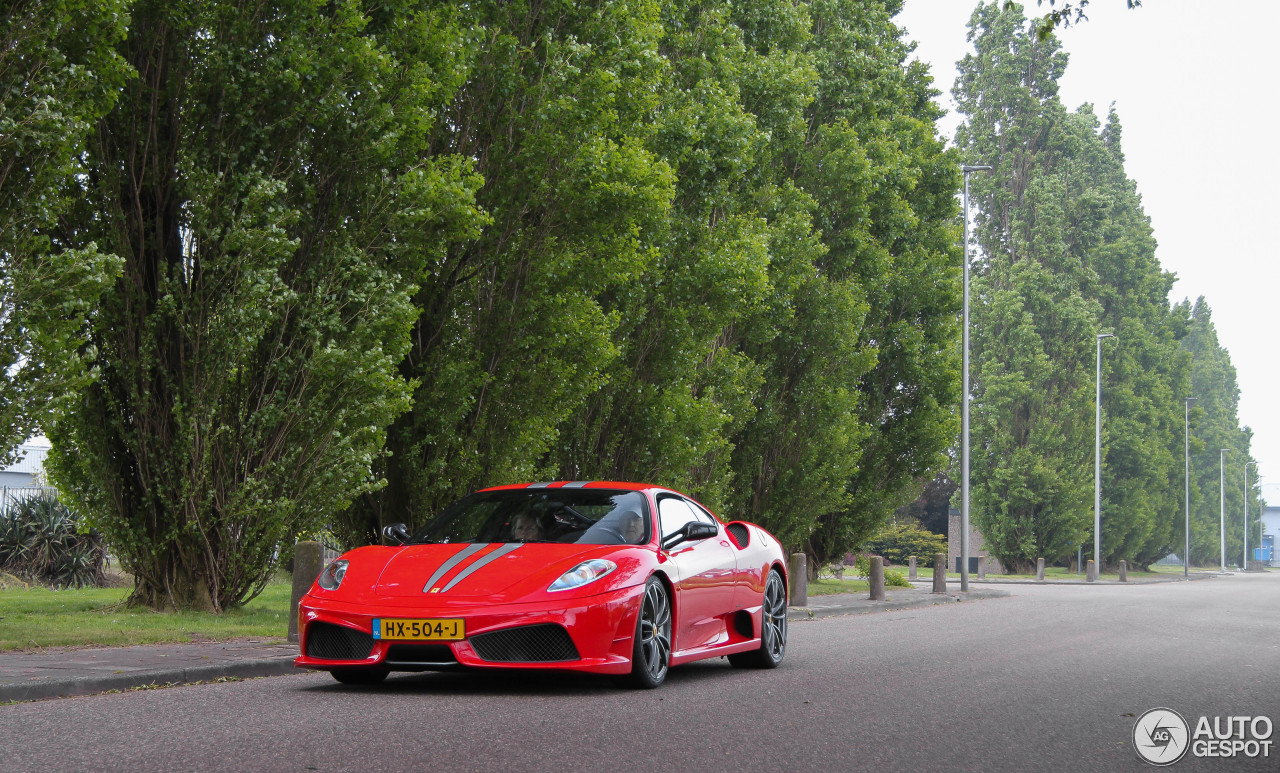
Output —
<point x="1051" y="678"/>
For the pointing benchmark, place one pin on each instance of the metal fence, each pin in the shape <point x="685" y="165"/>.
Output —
<point x="12" y="495"/>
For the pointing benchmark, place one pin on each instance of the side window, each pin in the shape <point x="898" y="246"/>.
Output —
<point x="673" y="514"/>
<point x="703" y="514"/>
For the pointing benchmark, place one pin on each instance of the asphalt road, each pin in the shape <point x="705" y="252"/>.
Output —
<point x="1050" y="678"/>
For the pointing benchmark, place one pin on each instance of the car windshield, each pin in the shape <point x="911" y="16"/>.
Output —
<point x="582" y="516"/>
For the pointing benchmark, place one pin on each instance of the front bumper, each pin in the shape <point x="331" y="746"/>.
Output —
<point x="601" y="628"/>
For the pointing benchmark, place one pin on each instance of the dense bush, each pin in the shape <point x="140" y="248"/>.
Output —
<point x="895" y="579"/>
<point x="41" y="540"/>
<point x="898" y="542"/>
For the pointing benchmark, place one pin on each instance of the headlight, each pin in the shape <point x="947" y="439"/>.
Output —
<point x="583" y="573"/>
<point x="332" y="575"/>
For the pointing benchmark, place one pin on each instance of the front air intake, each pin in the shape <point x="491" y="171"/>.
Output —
<point x="546" y="643"/>
<point x="336" y="642"/>
<point x="419" y="656"/>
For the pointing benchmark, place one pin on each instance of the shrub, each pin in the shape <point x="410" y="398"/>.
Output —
<point x="895" y="579"/>
<point x="897" y="543"/>
<point x="41" y="539"/>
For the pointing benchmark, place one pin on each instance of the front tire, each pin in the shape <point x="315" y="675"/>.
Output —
<point x="651" y="648"/>
<point x="359" y="676"/>
<point x="773" y="628"/>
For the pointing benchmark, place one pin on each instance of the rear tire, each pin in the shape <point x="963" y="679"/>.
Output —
<point x="651" y="645"/>
<point x="359" y="676"/>
<point x="773" y="628"/>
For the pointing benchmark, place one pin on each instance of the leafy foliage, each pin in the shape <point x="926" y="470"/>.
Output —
<point x="43" y="540"/>
<point x="895" y="578"/>
<point x="59" y="73"/>
<point x="1062" y="15"/>
<point x="1218" y="486"/>
<point x="268" y="180"/>
<point x="375" y="256"/>
<point x="1068" y="253"/>
<point x="898" y="542"/>
<point x="721" y="258"/>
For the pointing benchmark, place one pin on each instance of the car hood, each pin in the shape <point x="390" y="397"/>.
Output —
<point x="453" y="571"/>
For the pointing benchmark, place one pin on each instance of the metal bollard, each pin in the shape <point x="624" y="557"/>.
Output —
<point x="877" y="578"/>
<point x="982" y="567"/>
<point x="1040" y="569"/>
<point x="798" y="568"/>
<point x="1124" y="571"/>
<point x="939" y="572"/>
<point x="1091" y="572"/>
<point x="308" y="562"/>
<point x="912" y="576"/>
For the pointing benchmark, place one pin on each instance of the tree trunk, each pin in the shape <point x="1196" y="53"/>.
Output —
<point x="181" y="587"/>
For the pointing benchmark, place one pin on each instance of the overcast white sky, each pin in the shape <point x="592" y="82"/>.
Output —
<point x="1195" y="85"/>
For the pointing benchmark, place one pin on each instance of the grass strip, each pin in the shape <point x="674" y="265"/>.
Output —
<point x="36" y="618"/>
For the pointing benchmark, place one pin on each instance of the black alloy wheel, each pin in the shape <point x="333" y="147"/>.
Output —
<point x="773" y="628"/>
<point x="651" y="652"/>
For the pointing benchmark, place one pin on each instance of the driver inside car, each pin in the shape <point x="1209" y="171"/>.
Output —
<point x="525" y="528"/>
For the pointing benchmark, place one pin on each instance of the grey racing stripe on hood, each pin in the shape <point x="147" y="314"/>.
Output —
<point x="454" y="560"/>
<point x="500" y="552"/>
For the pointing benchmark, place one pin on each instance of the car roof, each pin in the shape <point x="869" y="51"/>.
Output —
<point x="607" y="484"/>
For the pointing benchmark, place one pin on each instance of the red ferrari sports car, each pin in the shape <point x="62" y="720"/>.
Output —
<point x="611" y="578"/>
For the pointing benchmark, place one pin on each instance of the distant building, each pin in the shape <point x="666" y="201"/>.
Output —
<point x="1270" y="536"/>
<point x="28" y="471"/>
<point x="977" y="546"/>
<point x="1270" y="527"/>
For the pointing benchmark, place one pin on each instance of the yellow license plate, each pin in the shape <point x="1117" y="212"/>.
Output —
<point x="432" y="629"/>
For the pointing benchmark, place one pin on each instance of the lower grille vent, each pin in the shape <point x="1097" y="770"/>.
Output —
<point x="546" y="643"/>
<point x="420" y="655"/>
<point x="336" y="642"/>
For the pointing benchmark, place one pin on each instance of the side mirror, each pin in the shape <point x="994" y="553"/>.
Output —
<point x="398" y="532"/>
<point x="691" y="531"/>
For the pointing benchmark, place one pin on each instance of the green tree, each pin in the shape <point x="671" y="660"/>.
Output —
<point x="886" y="214"/>
<point x="681" y="385"/>
<point x="1146" y="373"/>
<point x="60" y="73"/>
<point x="661" y="295"/>
<point x="1069" y="253"/>
<point x="1032" y="361"/>
<point x="1216" y="426"/>
<point x="267" y="178"/>
<point x="519" y="327"/>
<point x="1063" y="15"/>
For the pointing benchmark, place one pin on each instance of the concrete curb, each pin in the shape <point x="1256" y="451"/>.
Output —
<point x="1143" y="581"/>
<point x="865" y="606"/>
<point x="92" y="685"/>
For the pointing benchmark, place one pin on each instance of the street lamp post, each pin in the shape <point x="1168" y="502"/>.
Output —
<point x="1222" y="505"/>
<point x="964" y="393"/>
<point x="1097" y="463"/>
<point x="1245" y="565"/>
<point x="1186" y="477"/>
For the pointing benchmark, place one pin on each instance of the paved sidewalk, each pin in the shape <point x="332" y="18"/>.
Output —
<point x="973" y="580"/>
<point x="895" y="598"/>
<point x="28" y="676"/>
